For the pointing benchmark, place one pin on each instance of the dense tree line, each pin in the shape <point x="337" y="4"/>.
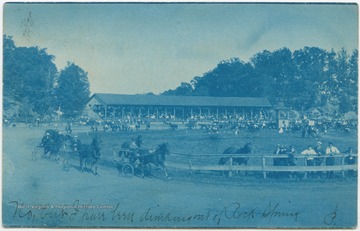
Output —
<point x="34" y="88"/>
<point x="306" y="78"/>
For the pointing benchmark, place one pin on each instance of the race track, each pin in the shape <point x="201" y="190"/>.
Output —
<point x="41" y="194"/>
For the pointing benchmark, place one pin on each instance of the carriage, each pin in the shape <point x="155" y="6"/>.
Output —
<point x="54" y="146"/>
<point x="128" y="162"/>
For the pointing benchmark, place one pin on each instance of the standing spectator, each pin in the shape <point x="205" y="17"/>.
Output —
<point x="291" y="154"/>
<point x="310" y="153"/>
<point x="350" y="159"/>
<point x="281" y="161"/>
<point x="331" y="150"/>
<point x="319" y="152"/>
<point x="68" y="128"/>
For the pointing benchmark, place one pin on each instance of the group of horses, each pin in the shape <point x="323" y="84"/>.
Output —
<point x="57" y="145"/>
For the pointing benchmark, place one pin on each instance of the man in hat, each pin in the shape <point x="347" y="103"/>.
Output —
<point x="331" y="150"/>
<point x="319" y="152"/>
<point x="350" y="160"/>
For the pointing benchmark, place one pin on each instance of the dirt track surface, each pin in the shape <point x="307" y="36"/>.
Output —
<point x="41" y="194"/>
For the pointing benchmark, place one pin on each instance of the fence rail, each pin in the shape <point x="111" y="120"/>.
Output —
<point x="265" y="167"/>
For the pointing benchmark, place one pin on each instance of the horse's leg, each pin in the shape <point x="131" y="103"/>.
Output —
<point x="165" y="172"/>
<point x="95" y="165"/>
<point x="81" y="164"/>
<point x="142" y="167"/>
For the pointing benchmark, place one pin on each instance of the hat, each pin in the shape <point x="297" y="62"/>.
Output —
<point x="319" y="143"/>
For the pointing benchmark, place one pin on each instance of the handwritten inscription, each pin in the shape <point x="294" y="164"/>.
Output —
<point x="234" y="212"/>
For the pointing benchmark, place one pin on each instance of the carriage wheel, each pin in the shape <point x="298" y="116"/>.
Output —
<point x="128" y="170"/>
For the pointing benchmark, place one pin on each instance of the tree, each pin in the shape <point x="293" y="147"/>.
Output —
<point x="230" y="78"/>
<point x="72" y="90"/>
<point x="311" y="63"/>
<point x="28" y="75"/>
<point x="184" y="89"/>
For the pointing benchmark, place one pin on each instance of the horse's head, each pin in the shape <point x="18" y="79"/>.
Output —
<point x="139" y="141"/>
<point x="163" y="149"/>
<point x="248" y="147"/>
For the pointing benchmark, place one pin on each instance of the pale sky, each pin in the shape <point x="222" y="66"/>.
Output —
<point x="139" y="48"/>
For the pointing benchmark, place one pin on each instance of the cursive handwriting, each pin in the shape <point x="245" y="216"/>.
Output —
<point x="329" y="219"/>
<point x="272" y="211"/>
<point x="231" y="214"/>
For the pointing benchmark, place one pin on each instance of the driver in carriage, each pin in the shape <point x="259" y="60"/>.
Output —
<point x="46" y="142"/>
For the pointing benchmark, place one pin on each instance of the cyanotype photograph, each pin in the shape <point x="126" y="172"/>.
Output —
<point x="180" y="115"/>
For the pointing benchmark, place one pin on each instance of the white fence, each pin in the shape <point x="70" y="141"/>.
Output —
<point x="265" y="165"/>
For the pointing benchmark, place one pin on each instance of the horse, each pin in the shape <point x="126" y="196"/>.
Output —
<point x="247" y="149"/>
<point x="155" y="157"/>
<point x="173" y="126"/>
<point x="89" y="153"/>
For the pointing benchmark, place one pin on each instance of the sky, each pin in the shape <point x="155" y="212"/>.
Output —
<point x="129" y="48"/>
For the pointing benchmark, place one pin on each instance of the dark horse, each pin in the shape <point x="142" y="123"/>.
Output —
<point x="237" y="160"/>
<point x="89" y="154"/>
<point x="53" y="141"/>
<point x="155" y="157"/>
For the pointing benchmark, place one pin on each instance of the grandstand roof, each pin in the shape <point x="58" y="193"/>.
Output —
<point x="190" y="101"/>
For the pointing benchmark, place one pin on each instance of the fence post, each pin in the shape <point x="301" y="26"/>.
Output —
<point x="306" y="172"/>
<point x="230" y="166"/>
<point x="263" y="166"/>
<point x="342" y="166"/>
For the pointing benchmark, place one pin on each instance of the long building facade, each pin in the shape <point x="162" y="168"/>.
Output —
<point x="109" y="106"/>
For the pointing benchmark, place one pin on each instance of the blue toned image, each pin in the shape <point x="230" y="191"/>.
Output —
<point x="180" y="115"/>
